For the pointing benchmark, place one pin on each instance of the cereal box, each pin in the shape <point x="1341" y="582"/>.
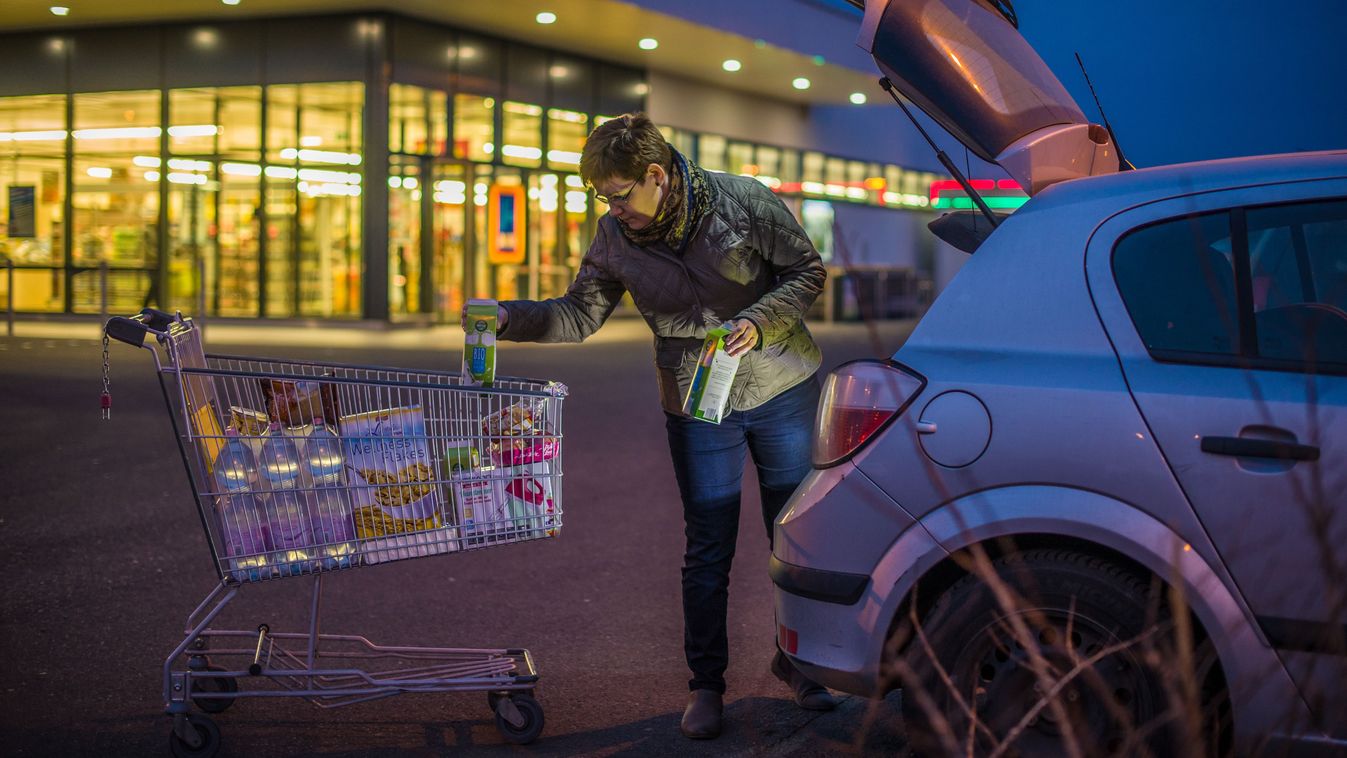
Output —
<point x="391" y="472"/>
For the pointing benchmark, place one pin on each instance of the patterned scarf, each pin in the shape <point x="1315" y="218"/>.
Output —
<point x="689" y="196"/>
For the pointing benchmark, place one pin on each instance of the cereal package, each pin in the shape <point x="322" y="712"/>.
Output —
<point x="393" y="477"/>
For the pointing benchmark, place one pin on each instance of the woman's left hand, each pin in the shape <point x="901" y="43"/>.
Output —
<point x="743" y="338"/>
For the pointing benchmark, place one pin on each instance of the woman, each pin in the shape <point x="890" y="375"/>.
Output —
<point x="697" y="250"/>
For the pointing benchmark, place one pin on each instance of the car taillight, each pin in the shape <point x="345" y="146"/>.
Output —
<point x="860" y="399"/>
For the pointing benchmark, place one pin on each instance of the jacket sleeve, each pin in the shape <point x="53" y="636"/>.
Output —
<point x="588" y="302"/>
<point x="797" y="269"/>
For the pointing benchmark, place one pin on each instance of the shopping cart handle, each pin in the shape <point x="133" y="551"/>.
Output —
<point x="132" y="330"/>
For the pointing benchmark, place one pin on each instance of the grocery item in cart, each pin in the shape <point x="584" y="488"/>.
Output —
<point x="234" y="473"/>
<point x="479" y="343"/>
<point x="332" y="520"/>
<point x="529" y="501"/>
<point x="517" y="420"/>
<point x="299" y="401"/>
<point x="288" y="528"/>
<point x="519" y="434"/>
<point x="461" y="455"/>
<point x="248" y="422"/>
<point x="482" y="510"/>
<point x="710" y="388"/>
<point x="393" y="482"/>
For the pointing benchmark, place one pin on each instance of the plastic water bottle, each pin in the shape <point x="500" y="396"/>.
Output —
<point x="288" y="526"/>
<point x="333" y="528"/>
<point x="245" y="541"/>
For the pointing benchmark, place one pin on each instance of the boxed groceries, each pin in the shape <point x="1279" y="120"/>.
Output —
<point x="394" y="492"/>
<point x="710" y="389"/>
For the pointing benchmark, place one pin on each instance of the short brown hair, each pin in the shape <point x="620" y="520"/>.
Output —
<point x="623" y="147"/>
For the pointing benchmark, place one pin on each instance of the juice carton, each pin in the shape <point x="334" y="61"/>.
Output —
<point x="710" y="388"/>
<point x="479" y="343"/>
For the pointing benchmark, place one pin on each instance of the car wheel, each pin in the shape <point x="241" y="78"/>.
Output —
<point x="1076" y="650"/>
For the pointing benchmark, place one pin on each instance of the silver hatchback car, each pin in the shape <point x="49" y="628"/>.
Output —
<point x="1097" y="502"/>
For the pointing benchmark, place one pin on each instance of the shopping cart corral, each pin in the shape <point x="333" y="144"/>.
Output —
<point x="302" y="469"/>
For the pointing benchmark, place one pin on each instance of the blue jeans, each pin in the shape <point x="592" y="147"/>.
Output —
<point x="709" y="465"/>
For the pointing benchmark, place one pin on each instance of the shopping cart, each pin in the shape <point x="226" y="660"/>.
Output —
<point x="302" y="469"/>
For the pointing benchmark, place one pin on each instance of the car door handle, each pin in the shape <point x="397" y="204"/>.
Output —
<point x="1245" y="447"/>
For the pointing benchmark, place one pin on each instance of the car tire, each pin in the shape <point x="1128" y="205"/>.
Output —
<point x="1071" y="607"/>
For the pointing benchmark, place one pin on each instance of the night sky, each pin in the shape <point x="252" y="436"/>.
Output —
<point x="1185" y="80"/>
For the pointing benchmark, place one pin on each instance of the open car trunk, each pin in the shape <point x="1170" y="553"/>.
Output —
<point x="966" y="65"/>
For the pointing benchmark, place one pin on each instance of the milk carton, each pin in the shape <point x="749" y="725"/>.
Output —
<point x="479" y="343"/>
<point x="710" y="389"/>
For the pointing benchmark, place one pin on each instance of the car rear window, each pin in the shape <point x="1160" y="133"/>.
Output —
<point x="1264" y="284"/>
<point x="1178" y="282"/>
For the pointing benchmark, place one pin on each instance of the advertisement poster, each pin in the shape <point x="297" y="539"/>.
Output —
<point x="505" y="234"/>
<point x="23" y="211"/>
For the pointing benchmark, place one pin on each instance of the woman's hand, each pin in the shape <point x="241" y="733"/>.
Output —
<point x="501" y="317"/>
<point x="742" y="337"/>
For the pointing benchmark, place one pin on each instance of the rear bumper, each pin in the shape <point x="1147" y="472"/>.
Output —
<point x="826" y="625"/>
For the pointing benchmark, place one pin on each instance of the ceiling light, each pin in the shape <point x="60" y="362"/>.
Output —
<point x="648" y="43"/>
<point x="800" y="83"/>
<point x="60" y="10"/>
<point x="230" y="2"/>
<point x="546" y="17"/>
<point x="731" y="65"/>
<point x="858" y="98"/>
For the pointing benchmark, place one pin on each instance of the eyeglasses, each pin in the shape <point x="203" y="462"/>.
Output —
<point x="618" y="197"/>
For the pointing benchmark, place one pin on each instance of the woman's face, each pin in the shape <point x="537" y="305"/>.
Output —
<point x="635" y="202"/>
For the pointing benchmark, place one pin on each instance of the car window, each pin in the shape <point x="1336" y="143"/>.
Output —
<point x="1298" y="267"/>
<point x="1178" y="283"/>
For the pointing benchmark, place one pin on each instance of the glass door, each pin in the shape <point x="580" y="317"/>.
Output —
<point x="452" y="197"/>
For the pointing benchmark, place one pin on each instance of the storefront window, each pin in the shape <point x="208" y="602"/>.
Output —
<point x="116" y="198"/>
<point x="522" y="144"/>
<point x="404" y="236"/>
<point x="769" y="166"/>
<point x="214" y="140"/>
<point x="313" y="199"/>
<point x="32" y="194"/>
<point x="566" y="133"/>
<point x="711" y="152"/>
<point x="790" y="166"/>
<point x="416" y="120"/>
<point x="452" y="199"/>
<point x="741" y="159"/>
<point x="812" y="183"/>
<point x="473" y="138"/>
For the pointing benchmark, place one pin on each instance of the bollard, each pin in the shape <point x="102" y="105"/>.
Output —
<point x="103" y="291"/>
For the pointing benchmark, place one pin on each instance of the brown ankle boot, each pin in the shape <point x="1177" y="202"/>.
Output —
<point x="702" y="717"/>
<point x="809" y="694"/>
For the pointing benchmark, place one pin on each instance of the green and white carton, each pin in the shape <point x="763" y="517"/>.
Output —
<point x="710" y="389"/>
<point x="479" y="343"/>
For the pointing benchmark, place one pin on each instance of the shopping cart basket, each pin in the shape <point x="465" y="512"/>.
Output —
<point x="302" y="469"/>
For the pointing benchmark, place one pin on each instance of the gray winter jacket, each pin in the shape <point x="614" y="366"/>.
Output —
<point x="749" y="258"/>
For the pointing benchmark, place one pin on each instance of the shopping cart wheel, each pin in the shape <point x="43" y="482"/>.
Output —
<point x="521" y="724"/>
<point x="206" y="729"/>
<point x="493" y="698"/>
<point x="214" y="684"/>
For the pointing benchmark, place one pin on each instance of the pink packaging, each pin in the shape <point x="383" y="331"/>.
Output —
<point x="508" y="453"/>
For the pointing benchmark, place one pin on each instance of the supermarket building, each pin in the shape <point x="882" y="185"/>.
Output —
<point x="296" y="159"/>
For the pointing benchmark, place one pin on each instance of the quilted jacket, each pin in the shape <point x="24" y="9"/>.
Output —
<point x="748" y="258"/>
